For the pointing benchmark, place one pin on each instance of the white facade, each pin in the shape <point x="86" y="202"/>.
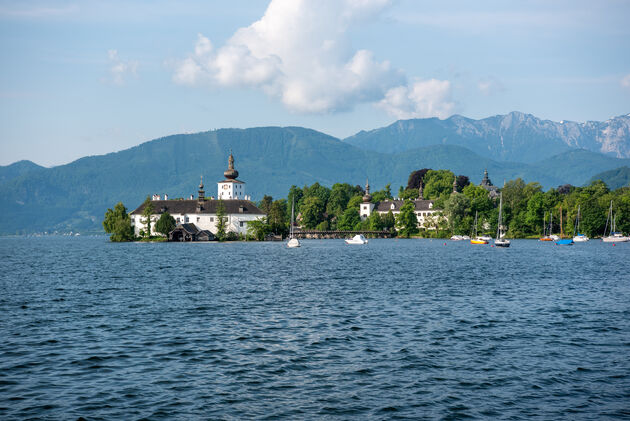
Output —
<point x="204" y="221"/>
<point x="366" y="210"/>
<point x="231" y="189"/>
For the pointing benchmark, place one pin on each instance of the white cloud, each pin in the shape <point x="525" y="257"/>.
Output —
<point x="490" y="86"/>
<point x="299" y="52"/>
<point x="625" y="81"/>
<point x="120" y="69"/>
<point x="423" y="98"/>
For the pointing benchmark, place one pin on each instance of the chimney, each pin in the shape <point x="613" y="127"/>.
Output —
<point x="165" y="196"/>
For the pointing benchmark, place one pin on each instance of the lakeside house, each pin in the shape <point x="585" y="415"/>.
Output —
<point x="197" y="218"/>
<point x="425" y="210"/>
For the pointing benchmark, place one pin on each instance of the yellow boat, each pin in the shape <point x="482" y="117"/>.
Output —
<point x="474" y="239"/>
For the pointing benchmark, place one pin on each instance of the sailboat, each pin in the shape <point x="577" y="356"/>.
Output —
<point x="474" y="239"/>
<point x="613" y="236"/>
<point x="293" y="241"/>
<point x="561" y="241"/>
<point x="545" y="236"/>
<point x="579" y="238"/>
<point x="500" y="241"/>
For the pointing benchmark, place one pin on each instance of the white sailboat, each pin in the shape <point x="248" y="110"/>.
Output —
<point x="613" y="236"/>
<point x="500" y="241"/>
<point x="293" y="241"/>
<point x="579" y="238"/>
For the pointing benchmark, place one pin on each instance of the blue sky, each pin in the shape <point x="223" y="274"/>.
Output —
<point x="90" y="77"/>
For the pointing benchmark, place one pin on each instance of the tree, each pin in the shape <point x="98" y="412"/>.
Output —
<point x="415" y="178"/>
<point x="165" y="224"/>
<point x="338" y="200"/>
<point x="457" y="207"/>
<point x="407" y="221"/>
<point x="410" y="194"/>
<point x="382" y="195"/>
<point x="348" y="220"/>
<point x="258" y="229"/>
<point x="389" y="222"/>
<point x="277" y="217"/>
<point x="462" y="181"/>
<point x="118" y="223"/>
<point x="312" y="211"/>
<point x="146" y="213"/>
<point x="221" y="221"/>
<point x="265" y="204"/>
<point x="375" y="222"/>
<point x="437" y="183"/>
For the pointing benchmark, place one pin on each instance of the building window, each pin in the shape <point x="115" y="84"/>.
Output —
<point x="242" y="223"/>
<point x="198" y="219"/>
<point x="212" y="219"/>
<point x="186" y="218"/>
<point x="177" y="220"/>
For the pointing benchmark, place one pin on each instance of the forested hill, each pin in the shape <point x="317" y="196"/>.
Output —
<point x="269" y="159"/>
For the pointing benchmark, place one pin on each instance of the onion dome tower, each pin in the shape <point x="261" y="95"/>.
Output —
<point x="201" y="192"/>
<point x="230" y="188"/>
<point x="367" y="197"/>
<point x="366" y="208"/>
<point x="231" y="173"/>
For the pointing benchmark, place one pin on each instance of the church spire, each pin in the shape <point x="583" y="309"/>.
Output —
<point x="231" y="173"/>
<point x="201" y="192"/>
<point x="420" y="192"/>
<point x="367" y="197"/>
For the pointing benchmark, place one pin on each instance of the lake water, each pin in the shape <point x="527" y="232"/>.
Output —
<point x="396" y="329"/>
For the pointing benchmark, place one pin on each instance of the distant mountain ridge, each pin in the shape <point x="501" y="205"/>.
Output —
<point x="270" y="159"/>
<point x="614" y="179"/>
<point x="516" y="136"/>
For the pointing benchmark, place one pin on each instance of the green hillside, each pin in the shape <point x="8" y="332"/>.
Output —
<point x="614" y="179"/>
<point x="269" y="159"/>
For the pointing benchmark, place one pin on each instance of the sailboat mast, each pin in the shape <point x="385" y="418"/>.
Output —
<point x="561" y="229"/>
<point x="292" y="216"/>
<point x="500" y="211"/>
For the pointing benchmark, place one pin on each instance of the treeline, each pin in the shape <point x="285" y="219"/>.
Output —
<point x="525" y="207"/>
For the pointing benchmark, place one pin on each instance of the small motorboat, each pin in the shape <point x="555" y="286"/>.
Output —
<point x="357" y="239"/>
<point x="457" y="238"/>
<point x="564" y="242"/>
<point x="580" y="238"/>
<point x="293" y="242"/>
<point x="478" y="240"/>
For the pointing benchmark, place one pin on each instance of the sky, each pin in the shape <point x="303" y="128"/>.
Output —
<point x="91" y="77"/>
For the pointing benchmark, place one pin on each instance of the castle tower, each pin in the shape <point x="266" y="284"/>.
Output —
<point x="231" y="188"/>
<point x="367" y="206"/>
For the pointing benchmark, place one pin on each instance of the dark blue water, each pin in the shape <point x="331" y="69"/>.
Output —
<point x="397" y="329"/>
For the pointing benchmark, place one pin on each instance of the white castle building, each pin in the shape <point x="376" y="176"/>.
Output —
<point x="424" y="209"/>
<point x="197" y="218"/>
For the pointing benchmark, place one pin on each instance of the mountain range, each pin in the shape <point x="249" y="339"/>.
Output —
<point x="75" y="196"/>
<point x="515" y="136"/>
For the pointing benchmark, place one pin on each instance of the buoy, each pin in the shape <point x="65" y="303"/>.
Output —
<point x="444" y="243"/>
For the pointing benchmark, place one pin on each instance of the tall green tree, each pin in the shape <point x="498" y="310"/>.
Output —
<point x="389" y="222"/>
<point x="348" y="220"/>
<point x="407" y="222"/>
<point x="277" y="218"/>
<point x="165" y="224"/>
<point x="312" y="212"/>
<point x="438" y="183"/>
<point x="221" y="221"/>
<point x="118" y="223"/>
<point x="265" y="203"/>
<point x="146" y="213"/>
<point x="457" y="208"/>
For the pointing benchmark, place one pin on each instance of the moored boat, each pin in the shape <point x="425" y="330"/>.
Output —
<point x="474" y="238"/>
<point x="501" y="241"/>
<point x="578" y="238"/>
<point x="357" y="239"/>
<point x="613" y="236"/>
<point x="293" y="241"/>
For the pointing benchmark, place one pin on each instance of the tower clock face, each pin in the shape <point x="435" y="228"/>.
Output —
<point x="225" y="187"/>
